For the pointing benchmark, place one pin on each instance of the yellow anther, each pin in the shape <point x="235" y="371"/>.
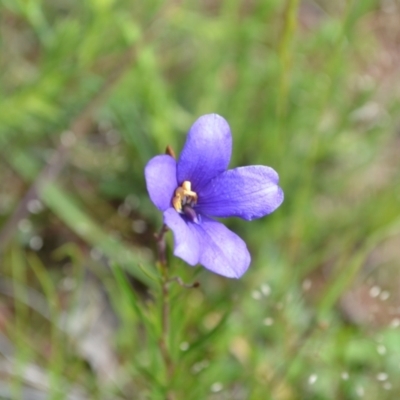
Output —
<point x="184" y="195"/>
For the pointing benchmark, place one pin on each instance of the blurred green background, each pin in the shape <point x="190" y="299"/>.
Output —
<point x="91" y="90"/>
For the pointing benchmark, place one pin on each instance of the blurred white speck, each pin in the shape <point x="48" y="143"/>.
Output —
<point x="68" y="283"/>
<point x="34" y="373"/>
<point x="389" y="6"/>
<point x="184" y="346"/>
<point x="375" y="291"/>
<point x="25" y="225"/>
<point x="36" y="243"/>
<point x="365" y="82"/>
<point x="306" y="285"/>
<point x="360" y="391"/>
<point x="139" y="226"/>
<point x="124" y="209"/>
<point x="345" y="375"/>
<point x="367" y="113"/>
<point x="256" y="295"/>
<point x="381" y="349"/>
<point x="382" y="376"/>
<point x="384" y="295"/>
<point x="312" y="379"/>
<point x="133" y="201"/>
<point x="268" y="321"/>
<point x="34" y="206"/>
<point x="395" y="323"/>
<point x="199" y="366"/>
<point x="96" y="254"/>
<point x="265" y="289"/>
<point x="68" y="138"/>
<point x="387" y="385"/>
<point x="216" y="387"/>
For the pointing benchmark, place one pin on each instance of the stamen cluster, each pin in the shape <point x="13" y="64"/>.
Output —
<point x="184" y="196"/>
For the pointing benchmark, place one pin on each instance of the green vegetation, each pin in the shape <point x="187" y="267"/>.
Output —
<point x="90" y="91"/>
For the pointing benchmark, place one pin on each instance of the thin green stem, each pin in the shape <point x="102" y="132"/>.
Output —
<point x="165" y="305"/>
<point x="285" y="52"/>
<point x="285" y="56"/>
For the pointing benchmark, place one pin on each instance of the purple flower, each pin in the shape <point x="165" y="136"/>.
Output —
<point x="199" y="186"/>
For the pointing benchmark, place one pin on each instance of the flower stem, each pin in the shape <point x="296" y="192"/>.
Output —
<point x="165" y="306"/>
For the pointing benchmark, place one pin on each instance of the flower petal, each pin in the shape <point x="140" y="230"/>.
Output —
<point x="207" y="151"/>
<point x="245" y="192"/>
<point x="186" y="244"/>
<point x="221" y="250"/>
<point x="160" y="174"/>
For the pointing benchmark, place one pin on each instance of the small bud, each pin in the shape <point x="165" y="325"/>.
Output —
<point x="170" y="152"/>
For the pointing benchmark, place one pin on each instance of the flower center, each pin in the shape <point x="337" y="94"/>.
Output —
<point x="184" y="196"/>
